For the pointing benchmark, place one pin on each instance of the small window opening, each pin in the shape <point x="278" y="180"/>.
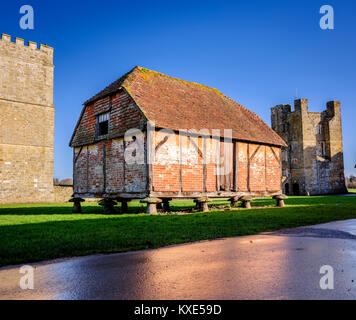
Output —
<point x="318" y="129"/>
<point x="322" y="149"/>
<point x="103" y="124"/>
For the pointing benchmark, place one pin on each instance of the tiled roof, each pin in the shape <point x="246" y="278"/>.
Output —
<point x="177" y="104"/>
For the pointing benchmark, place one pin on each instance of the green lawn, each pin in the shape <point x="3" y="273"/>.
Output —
<point x="37" y="232"/>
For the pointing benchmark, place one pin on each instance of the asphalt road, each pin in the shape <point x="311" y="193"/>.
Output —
<point x="280" y="265"/>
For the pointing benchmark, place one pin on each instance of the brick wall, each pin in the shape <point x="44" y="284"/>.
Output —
<point x="124" y="115"/>
<point x="97" y="175"/>
<point x="99" y="168"/>
<point x="258" y="169"/>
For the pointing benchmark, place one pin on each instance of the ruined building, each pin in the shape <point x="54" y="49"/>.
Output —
<point x="26" y="122"/>
<point x="313" y="162"/>
<point x="178" y="140"/>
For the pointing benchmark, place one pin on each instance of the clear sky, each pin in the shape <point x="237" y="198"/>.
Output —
<point x="256" y="52"/>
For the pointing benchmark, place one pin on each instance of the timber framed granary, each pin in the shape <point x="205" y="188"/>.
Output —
<point x="148" y="135"/>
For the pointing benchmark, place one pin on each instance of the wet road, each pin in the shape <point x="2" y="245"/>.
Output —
<point x="279" y="265"/>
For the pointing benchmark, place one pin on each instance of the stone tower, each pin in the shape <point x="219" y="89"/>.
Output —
<point x="26" y="122"/>
<point x="313" y="162"/>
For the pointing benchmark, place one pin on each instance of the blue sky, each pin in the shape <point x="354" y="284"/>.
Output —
<point x="256" y="52"/>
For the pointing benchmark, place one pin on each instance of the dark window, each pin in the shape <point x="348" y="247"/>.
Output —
<point x="103" y="124"/>
<point x="322" y="149"/>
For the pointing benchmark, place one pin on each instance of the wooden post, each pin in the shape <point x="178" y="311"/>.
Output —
<point x="150" y="153"/>
<point x="236" y="166"/>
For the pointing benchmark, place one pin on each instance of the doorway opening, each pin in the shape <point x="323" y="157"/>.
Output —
<point x="286" y="188"/>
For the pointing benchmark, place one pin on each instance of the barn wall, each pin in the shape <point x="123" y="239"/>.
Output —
<point x="166" y="168"/>
<point x="99" y="168"/>
<point x="179" y="167"/>
<point x="114" y="166"/>
<point x="124" y="115"/>
<point x="259" y="169"/>
<point x="243" y="163"/>
<point x="192" y="164"/>
<point x="212" y="146"/>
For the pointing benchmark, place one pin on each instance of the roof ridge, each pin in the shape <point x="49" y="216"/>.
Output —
<point x="143" y="69"/>
<point x="199" y="85"/>
<point x="103" y="93"/>
<point x="120" y="82"/>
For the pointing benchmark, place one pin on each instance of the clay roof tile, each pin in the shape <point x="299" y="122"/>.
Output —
<point x="178" y="105"/>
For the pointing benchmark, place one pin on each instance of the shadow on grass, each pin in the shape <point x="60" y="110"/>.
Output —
<point x="60" y="210"/>
<point x="42" y="240"/>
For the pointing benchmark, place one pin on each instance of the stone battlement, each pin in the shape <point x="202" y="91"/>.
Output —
<point x="26" y="121"/>
<point x="32" y="45"/>
<point x="313" y="162"/>
<point x="30" y="51"/>
<point x="301" y="106"/>
<point x="26" y="72"/>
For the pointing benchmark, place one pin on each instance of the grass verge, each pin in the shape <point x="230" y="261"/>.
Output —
<point x="35" y="232"/>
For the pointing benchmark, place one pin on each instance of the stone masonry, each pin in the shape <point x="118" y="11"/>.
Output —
<point x="313" y="162"/>
<point x="26" y="122"/>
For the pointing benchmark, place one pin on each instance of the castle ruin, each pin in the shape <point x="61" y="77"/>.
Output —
<point x="313" y="163"/>
<point x="26" y="122"/>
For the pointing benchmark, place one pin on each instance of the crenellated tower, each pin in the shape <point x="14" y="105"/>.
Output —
<point x="313" y="162"/>
<point x="26" y="121"/>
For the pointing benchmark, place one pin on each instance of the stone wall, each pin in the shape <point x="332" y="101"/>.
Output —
<point x="26" y="122"/>
<point x="313" y="162"/>
<point x="62" y="193"/>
